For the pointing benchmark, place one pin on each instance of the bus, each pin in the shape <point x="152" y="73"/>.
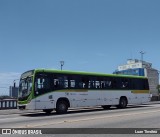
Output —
<point x="48" y="90"/>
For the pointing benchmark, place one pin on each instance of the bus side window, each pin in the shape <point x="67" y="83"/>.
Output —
<point x="85" y="85"/>
<point x="136" y="84"/>
<point x="124" y="84"/>
<point x="114" y="83"/>
<point x="133" y="84"/>
<point x="39" y="83"/>
<point x="72" y="81"/>
<point x="42" y="84"/>
<point x="108" y="83"/>
<point x="46" y="83"/>
<point x="97" y="84"/>
<point x="146" y="85"/>
<point x="56" y="83"/>
<point x="143" y="84"/>
<point x="102" y="84"/>
<point x="91" y="84"/>
<point x="80" y="85"/>
<point x="60" y="82"/>
<point x="65" y="82"/>
<point x="83" y="82"/>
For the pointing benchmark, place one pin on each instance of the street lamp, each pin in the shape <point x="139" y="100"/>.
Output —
<point x="62" y="64"/>
<point x="142" y="53"/>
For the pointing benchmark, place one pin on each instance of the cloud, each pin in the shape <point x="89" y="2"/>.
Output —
<point x="6" y="80"/>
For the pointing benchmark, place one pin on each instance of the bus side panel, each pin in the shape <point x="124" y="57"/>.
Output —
<point x="88" y="99"/>
<point x="143" y="98"/>
<point x="84" y="99"/>
<point x="112" y="97"/>
<point x="31" y="105"/>
<point x="45" y="101"/>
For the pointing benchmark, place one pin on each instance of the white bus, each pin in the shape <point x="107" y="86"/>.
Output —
<point x="48" y="90"/>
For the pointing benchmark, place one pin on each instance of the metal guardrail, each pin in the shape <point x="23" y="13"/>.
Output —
<point x="8" y="104"/>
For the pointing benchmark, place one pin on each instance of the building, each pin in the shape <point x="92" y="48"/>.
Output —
<point x="141" y="68"/>
<point x="13" y="92"/>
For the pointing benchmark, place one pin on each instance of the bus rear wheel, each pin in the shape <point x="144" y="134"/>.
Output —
<point x="61" y="107"/>
<point x="122" y="103"/>
<point x="106" y="107"/>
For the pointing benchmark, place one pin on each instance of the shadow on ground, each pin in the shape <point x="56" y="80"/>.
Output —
<point x="82" y="110"/>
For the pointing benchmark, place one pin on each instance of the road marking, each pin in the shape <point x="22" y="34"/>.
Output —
<point x="4" y="119"/>
<point x="86" y="119"/>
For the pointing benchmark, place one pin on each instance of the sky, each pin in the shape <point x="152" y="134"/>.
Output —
<point x="89" y="35"/>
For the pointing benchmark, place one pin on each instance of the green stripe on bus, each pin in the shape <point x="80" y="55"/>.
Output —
<point x="87" y="73"/>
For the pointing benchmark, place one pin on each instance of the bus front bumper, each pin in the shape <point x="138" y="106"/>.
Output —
<point x="21" y="107"/>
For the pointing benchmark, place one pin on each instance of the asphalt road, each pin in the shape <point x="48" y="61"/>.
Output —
<point x="142" y="116"/>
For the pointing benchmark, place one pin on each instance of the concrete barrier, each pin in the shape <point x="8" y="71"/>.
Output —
<point x="8" y="104"/>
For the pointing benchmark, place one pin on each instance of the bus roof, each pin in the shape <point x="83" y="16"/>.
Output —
<point x="87" y="73"/>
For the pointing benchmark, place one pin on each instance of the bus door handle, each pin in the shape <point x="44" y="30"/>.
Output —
<point x="51" y="100"/>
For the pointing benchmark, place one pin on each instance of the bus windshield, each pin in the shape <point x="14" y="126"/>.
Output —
<point x="25" y="87"/>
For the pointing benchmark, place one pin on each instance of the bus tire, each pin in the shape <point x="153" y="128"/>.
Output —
<point x="122" y="103"/>
<point x="61" y="107"/>
<point x="106" y="107"/>
<point x="47" y="111"/>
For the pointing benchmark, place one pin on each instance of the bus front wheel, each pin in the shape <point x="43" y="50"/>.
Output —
<point x="62" y="107"/>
